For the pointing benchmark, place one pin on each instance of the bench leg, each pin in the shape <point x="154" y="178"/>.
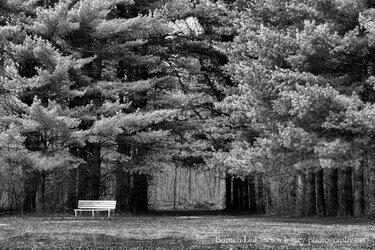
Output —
<point x="75" y="213"/>
<point x="93" y="213"/>
<point x="109" y="213"/>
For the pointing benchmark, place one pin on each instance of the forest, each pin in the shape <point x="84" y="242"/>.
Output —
<point x="277" y="98"/>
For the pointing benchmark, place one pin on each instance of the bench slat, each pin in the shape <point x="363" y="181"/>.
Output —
<point x="88" y="207"/>
<point x="101" y="203"/>
<point x="98" y="201"/>
<point x="94" y="205"/>
<point x="91" y="202"/>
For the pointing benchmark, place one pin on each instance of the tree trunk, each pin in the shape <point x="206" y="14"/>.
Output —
<point x="29" y="187"/>
<point x="139" y="193"/>
<point x="123" y="190"/>
<point x="371" y="189"/>
<point x="346" y="201"/>
<point x="72" y="200"/>
<point x="333" y="198"/>
<point x="311" y="193"/>
<point x="40" y="191"/>
<point x="261" y="201"/>
<point x="321" y="202"/>
<point x="359" y="189"/>
<point x="246" y="194"/>
<point x="235" y="193"/>
<point x="241" y="194"/>
<point x="175" y="188"/>
<point x="292" y="201"/>
<point x="190" y="186"/>
<point x="267" y="196"/>
<point x="228" y="192"/>
<point x="83" y="182"/>
<point x="301" y="192"/>
<point x="252" y="194"/>
<point x="94" y="162"/>
<point x="93" y="150"/>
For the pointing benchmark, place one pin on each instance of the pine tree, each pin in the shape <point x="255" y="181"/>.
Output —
<point x="35" y="74"/>
<point x="139" y="77"/>
<point x="96" y="32"/>
<point x="302" y="80"/>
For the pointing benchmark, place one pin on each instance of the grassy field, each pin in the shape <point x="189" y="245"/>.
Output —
<point x="185" y="232"/>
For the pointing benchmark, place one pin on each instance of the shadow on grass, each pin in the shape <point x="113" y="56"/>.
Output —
<point x="320" y="220"/>
<point x="90" y="241"/>
<point x="102" y="241"/>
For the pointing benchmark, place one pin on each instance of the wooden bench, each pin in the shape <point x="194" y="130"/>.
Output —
<point x="95" y="206"/>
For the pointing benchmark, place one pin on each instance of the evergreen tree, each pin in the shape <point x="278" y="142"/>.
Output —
<point x="34" y="74"/>
<point x="139" y="77"/>
<point x="302" y="80"/>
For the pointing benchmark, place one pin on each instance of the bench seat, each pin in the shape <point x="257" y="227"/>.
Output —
<point x="95" y="206"/>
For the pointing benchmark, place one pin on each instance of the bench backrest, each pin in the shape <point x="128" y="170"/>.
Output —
<point x="93" y="204"/>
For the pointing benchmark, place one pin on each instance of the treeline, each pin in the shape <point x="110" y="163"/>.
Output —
<point x="305" y="105"/>
<point x="320" y="192"/>
<point x="97" y="96"/>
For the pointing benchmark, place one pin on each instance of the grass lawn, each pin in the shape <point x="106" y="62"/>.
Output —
<point x="185" y="232"/>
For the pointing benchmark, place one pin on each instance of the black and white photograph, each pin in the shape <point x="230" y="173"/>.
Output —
<point x="187" y="124"/>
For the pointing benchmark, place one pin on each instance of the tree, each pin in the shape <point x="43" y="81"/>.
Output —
<point x="96" y="32"/>
<point x="36" y="73"/>
<point x="139" y="77"/>
<point x="301" y="78"/>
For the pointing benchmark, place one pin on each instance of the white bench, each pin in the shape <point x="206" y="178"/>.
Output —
<point x="95" y="206"/>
